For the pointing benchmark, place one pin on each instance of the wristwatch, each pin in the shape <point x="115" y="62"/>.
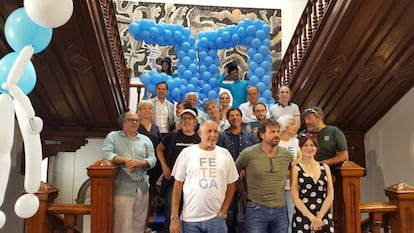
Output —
<point x="221" y="215"/>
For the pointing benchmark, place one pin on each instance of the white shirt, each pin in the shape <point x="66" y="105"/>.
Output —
<point x="161" y="115"/>
<point x="206" y="175"/>
<point x="293" y="147"/>
<point x="277" y="110"/>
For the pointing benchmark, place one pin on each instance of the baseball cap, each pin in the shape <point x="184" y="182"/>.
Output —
<point x="188" y="111"/>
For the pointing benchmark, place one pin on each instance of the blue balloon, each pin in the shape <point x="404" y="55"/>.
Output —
<point x="267" y="79"/>
<point x="154" y="33"/>
<point x="206" y="88"/>
<point x="28" y="79"/>
<point x="264" y="50"/>
<point x="177" y="36"/>
<point x="225" y="36"/>
<point x="186" y="46"/>
<point x="171" y="83"/>
<point x="256" y="43"/>
<point x="194" y="81"/>
<point x="213" y="68"/>
<point x="267" y="94"/>
<point x="155" y="78"/>
<point x="20" y="31"/>
<point x="258" y="58"/>
<point x="133" y="28"/>
<point x="203" y="43"/>
<point x="253" y="80"/>
<point x="191" y="88"/>
<point x="192" y="53"/>
<point x="151" y="88"/>
<point x="260" y="34"/>
<point x="187" y="74"/>
<point x="262" y="99"/>
<point x="202" y="55"/>
<point x="241" y="33"/>
<point x="212" y="82"/>
<point x="259" y="72"/>
<point x="206" y="76"/>
<point x="219" y="42"/>
<point x="253" y="66"/>
<point x="235" y="39"/>
<point x="145" y="78"/>
<point x="193" y="68"/>
<point x="250" y="30"/>
<point x="186" y="60"/>
<point x="212" y="94"/>
<point x="261" y="86"/>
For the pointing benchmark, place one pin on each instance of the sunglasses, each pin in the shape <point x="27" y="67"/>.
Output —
<point x="313" y="111"/>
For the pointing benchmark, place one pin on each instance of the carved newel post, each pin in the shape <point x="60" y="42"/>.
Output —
<point x="347" y="197"/>
<point x="102" y="174"/>
<point x="42" y="222"/>
<point x="402" y="195"/>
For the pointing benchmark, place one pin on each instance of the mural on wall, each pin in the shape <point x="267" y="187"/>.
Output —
<point x="138" y="54"/>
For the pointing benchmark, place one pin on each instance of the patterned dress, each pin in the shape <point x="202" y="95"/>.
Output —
<point x="312" y="193"/>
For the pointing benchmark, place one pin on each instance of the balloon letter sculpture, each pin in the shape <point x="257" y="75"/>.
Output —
<point x="28" y="31"/>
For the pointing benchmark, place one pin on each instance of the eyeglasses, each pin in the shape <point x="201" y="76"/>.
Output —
<point x="132" y="120"/>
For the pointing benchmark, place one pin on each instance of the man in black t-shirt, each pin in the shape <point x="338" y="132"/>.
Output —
<point x="169" y="149"/>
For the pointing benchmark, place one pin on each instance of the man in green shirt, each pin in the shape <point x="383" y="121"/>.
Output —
<point x="266" y="166"/>
<point x="332" y="142"/>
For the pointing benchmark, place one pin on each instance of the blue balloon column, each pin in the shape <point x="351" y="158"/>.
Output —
<point x="198" y="66"/>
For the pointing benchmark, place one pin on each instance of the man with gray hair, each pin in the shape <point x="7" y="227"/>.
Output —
<point x="134" y="155"/>
<point x="192" y="98"/>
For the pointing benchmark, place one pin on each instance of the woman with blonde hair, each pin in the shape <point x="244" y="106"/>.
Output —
<point x="291" y="143"/>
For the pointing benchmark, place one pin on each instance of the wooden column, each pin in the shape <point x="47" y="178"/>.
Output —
<point x="42" y="222"/>
<point x="102" y="174"/>
<point x="347" y="197"/>
<point x="402" y="195"/>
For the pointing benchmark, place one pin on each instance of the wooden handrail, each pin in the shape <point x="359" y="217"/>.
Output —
<point x="304" y="34"/>
<point x="138" y="88"/>
<point x="378" y="217"/>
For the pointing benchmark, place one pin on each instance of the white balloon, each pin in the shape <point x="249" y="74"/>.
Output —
<point x="49" y="13"/>
<point x="32" y="148"/>
<point x="34" y="125"/>
<point x="23" y="100"/>
<point x="2" y="219"/>
<point x="6" y="139"/>
<point x="19" y="65"/>
<point x="27" y="205"/>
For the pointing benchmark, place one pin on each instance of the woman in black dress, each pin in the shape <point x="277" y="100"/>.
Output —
<point x="311" y="191"/>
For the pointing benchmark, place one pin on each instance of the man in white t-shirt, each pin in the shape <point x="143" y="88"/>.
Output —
<point x="206" y="175"/>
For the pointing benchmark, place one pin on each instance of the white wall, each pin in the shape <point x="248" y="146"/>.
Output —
<point x="389" y="151"/>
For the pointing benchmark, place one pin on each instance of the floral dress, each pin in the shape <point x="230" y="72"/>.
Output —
<point x="312" y="193"/>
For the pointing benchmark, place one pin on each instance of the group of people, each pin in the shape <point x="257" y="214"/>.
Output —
<point x="242" y="168"/>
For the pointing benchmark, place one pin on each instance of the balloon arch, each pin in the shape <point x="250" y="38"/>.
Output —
<point x="198" y="61"/>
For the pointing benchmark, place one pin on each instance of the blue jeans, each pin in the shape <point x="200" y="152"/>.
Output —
<point x="290" y="208"/>
<point x="261" y="219"/>
<point x="214" y="225"/>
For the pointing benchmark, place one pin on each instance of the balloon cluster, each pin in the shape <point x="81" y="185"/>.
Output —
<point x="174" y="35"/>
<point x="198" y="64"/>
<point x="28" y="30"/>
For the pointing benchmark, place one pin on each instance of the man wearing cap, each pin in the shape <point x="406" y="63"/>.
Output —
<point x="333" y="148"/>
<point x="206" y="175"/>
<point x="236" y="88"/>
<point x="163" y="109"/>
<point x="134" y="154"/>
<point x="169" y="149"/>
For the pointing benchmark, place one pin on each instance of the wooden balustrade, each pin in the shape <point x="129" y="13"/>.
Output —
<point x="102" y="174"/>
<point x="303" y="35"/>
<point x="139" y="87"/>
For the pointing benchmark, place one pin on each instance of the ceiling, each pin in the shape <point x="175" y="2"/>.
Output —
<point x="80" y="75"/>
<point x="362" y="63"/>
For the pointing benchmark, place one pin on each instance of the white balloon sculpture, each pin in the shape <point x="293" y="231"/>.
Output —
<point x="47" y="13"/>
